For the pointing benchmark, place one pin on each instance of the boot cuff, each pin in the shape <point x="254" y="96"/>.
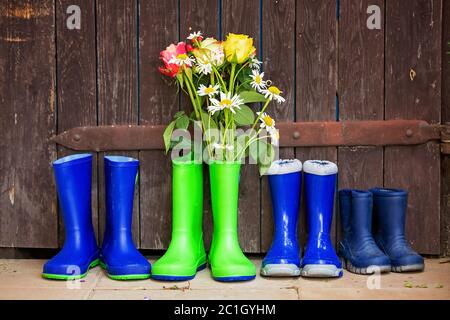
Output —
<point x="120" y="161"/>
<point x="320" y="167"/>
<point x="388" y="192"/>
<point x="284" y="166"/>
<point x="72" y="159"/>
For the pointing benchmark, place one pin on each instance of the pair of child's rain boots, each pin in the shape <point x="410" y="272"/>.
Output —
<point x="383" y="249"/>
<point x="118" y="254"/>
<point x="285" y="180"/>
<point x="186" y="253"/>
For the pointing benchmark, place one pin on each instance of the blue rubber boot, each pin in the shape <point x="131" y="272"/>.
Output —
<point x="320" y="259"/>
<point x="389" y="207"/>
<point x="119" y="256"/>
<point x="358" y="249"/>
<point x="283" y="258"/>
<point x="80" y="252"/>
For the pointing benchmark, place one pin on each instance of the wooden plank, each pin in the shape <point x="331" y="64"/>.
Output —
<point x="192" y="19"/>
<point x="28" y="210"/>
<point x="412" y="75"/>
<point x="445" y="160"/>
<point x="278" y="51"/>
<point x="117" y="82"/>
<point x="361" y="91"/>
<point x="156" y="172"/>
<point x="76" y="82"/>
<point x="316" y="79"/>
<point x="243" y="17"/>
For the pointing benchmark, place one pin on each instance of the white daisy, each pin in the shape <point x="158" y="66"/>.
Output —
<point x="255" y="63"/>
<point x="268" y="124"/>
<point x="258" y="82"/>
<point x="208" y="91"/>
<point x="267" y="121"/>
<point x="182" y="60"/>
<point x="226" y="101"/>
<point x="194" y="35"/>
<point x="204" y="68"/>
<point x="273" y="93"/>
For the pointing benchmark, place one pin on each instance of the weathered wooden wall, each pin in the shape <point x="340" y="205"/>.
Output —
<point x="330" y="65"/>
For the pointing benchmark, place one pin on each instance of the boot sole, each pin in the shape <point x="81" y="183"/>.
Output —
<point x="365" y="271"/>
<point x="234" y="278"/>
<point x="124" y="277"/>
<point x="178" y="278"/>
<point x="408" y="268"/>
<point x="321" y="271"/>
<point x="54" y="276"/>
<point x="280" y="270"/>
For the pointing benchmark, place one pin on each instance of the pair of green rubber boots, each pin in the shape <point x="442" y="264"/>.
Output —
<point x="186" y="253"/>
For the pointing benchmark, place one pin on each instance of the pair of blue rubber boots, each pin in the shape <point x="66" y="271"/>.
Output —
<point x="383" y="248"/>
<point x="118" y="254"/>
<point x="285" y="180"/>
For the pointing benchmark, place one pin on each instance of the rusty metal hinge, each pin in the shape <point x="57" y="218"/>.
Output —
<point x="445" y="138"/>
<point x="292" y="134"/>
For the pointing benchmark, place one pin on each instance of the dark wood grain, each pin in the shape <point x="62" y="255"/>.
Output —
<point x="192" y="19"/>
<point x="316" y="78"/>
<point x="243" y="17"/>
<point x="278" y="52"/>
<point x="158" y="27"/>
<point x="413" y="90"/>
<point x="117" y="83"/>
<point x="28" y="210"/>
<point x="360" y="91"/>
<point x="76" y="82"/>
<point x="445" y="160"/>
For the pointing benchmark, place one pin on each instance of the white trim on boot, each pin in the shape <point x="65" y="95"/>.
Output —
<point x="284" y="166"/>
<point x="320" y="167"/>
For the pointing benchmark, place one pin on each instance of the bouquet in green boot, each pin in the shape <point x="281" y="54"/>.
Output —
<point x="221" y="78"/>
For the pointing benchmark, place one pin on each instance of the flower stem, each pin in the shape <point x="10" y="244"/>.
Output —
<point x="260" y="114"/>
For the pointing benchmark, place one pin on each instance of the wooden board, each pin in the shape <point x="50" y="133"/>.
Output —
<point x="76" y="82"/>
<point x="445" y="160"/>
<point x="243" y="17"/>
<point x="192" y="13"/>
<point x="28" y="210"/>
<point x="316" y="78"/>
<point x="156" y="173"/>
<point x="413" y="90"/>
<point x="278" y="52"/>
<point x="360" y="91"/>
<point x="117" y="82"/>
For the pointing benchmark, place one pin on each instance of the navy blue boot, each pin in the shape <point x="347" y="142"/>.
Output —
<point x="119" y="255"/>
<point x="320" y="259"/>
<point x="358" y="249"/>
<point x="283" y="258"/>
<point x="389" y="206"/>
<point x="80" y="252"/>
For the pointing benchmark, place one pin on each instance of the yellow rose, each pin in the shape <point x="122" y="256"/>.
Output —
<point x="238" y="48"/>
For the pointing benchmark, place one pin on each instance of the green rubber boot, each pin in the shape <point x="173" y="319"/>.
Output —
<point x="227" y="261"/>
<point x="186" y="253"/>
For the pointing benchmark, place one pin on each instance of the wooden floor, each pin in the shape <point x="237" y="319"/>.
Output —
<point x="20" y="279"/>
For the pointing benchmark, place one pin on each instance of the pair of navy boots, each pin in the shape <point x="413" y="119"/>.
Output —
<point x="285" y="180"/>
<point x="383" y="248"/>
<point x="118" y="254"/>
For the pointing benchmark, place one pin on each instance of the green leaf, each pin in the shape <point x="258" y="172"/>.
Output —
<point x="180" y="80"/>
<point x="168" y="134"/>
<point x="244" y="116"/>
<point x="266" y="156"/>
<point x="182" y="122"/>
<point x="178" y="114"/>
<point x="252" y="97"/>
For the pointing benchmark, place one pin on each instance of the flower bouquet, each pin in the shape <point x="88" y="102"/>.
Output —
<point x="221" y="79"/>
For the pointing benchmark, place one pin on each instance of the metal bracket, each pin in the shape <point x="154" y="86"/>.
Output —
<point x="445" y="138"/>
<point x="292" y="134"/>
